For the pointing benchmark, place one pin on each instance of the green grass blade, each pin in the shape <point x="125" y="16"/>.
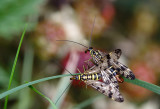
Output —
<point x="14" y="65"/>
<point x="141" y="83"/>
<point x="149" y="86"/>
<point x="136" y="82"/>
<point x="4" y="94"/>
<point x="34" y="89"/>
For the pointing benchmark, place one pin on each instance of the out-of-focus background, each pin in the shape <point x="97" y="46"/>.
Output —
<point x="131" y="25"/>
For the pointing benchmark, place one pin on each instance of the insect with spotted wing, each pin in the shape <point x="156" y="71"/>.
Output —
<point x="104" y="60"/>
<point x="109" y="88"/>
<point x="106" y="69"/>
<point x="91" y="77"/>
<point x="109" y="67"/>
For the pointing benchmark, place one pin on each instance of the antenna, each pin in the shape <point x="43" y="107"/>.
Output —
<point x="74" y="42"/>
<point x="92" y="31"/>
<point x="63" y="92"/>
<point x="68" y="71"/>
<point x="63" y="67"/>
<point x="66" y="87"/>
<point x="90" y="37"/>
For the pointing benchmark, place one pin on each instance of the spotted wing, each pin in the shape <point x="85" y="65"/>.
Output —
<point x="114" y="54"/>
<point x="124" y="70"/>
<point x="109" y="78"/>
<point x="101" y="53"/>
<point x="107" y="75"/>
<point x="106" y="89"/>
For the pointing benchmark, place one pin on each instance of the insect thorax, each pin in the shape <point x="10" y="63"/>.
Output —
<point x="96" y="56"/>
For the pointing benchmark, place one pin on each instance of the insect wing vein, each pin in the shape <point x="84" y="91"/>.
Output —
<point x="109" y="78"/>
<point x="124" y="70"/>
<point x="106" y="89"/>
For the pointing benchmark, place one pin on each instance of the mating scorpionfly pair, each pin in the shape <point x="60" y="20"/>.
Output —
<point x="107" y="68"/>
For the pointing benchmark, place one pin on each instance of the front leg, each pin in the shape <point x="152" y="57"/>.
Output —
<point x="90" y="60"/>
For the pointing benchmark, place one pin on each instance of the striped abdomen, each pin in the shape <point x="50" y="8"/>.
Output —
<point x="85" y="77"/>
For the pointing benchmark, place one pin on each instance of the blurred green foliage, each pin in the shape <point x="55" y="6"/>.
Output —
<point x="14" y="14"/>
<point x="4" y="79"/>
<point x="132" y="25"/>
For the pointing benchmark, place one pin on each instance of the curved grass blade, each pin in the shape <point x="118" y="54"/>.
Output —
<point x="141" y="83"/>
<point x="149" y="86"/>
<point x="4" y="94"/>
<point x="14" y="65"/>
<point x="34" y="89"/>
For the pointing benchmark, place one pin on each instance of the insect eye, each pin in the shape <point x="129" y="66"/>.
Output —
<point x="85" y="51"/>
<point x="90" y="48"/>
<point x="94" y="53"/>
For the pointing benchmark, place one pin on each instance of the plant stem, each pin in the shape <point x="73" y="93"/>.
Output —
<point x="14" y="65"/>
